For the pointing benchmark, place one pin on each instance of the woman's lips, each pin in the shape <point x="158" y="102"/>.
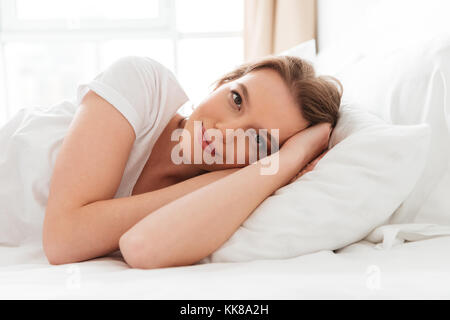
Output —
<point x="206" y="143"/>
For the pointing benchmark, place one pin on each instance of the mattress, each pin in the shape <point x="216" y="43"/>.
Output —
<point x="363" y="270"/>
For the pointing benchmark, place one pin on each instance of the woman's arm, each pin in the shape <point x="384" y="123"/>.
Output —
<point x="82" y="221"/>
<point x="94" y="230"/>
<point x="195" y="225"/>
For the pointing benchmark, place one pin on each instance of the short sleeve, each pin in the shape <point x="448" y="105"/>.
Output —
<point x="132" y="85"/>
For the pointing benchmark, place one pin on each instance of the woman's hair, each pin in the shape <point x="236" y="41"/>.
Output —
<point x="319" y="97"/>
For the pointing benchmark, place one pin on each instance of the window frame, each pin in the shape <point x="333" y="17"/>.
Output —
<point x="10" y="22"/>
<point x="163" y="28"/>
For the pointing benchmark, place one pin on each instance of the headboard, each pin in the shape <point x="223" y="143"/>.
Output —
<point x="365" y="24"/>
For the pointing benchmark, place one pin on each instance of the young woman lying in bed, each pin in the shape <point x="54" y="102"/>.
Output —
<point x="182" y="206"/>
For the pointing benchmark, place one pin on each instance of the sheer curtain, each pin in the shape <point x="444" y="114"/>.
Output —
<point x="272" y="26"/>
<point x="4" y="114"/>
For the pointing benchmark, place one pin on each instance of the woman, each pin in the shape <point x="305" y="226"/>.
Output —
<point x="117" y="182"/>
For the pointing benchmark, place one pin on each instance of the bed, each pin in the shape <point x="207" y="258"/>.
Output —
<point x="381" y="268"/>
<point x="362" y="270"/>
<point x="413" y="270"/>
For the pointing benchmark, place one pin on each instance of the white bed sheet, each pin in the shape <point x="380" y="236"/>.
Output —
<point x="418" y="269"/>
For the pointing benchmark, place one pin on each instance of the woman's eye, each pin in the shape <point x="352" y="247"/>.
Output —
<point x="236" y="98"/>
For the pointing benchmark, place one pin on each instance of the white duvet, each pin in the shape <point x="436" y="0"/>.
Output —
<point x="418" y="269"/>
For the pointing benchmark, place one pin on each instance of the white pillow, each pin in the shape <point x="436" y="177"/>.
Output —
<point x="408" y="85"/>
<point x="305" y="50"/>
<point x="369" y="170"/>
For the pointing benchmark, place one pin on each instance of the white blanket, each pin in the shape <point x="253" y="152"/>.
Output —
<point x="363" y="270"/>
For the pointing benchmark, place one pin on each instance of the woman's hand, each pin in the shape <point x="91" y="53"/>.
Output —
<point x="309" y="167"/>
<point x="307" y="145"/>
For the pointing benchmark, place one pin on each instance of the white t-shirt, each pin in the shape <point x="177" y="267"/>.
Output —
<point x="145" y="92"/>
<point x="148" y="95"/>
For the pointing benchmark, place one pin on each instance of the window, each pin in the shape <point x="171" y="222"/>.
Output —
<point x="47" y="47"/>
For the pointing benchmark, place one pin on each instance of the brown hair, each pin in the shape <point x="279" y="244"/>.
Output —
<point x="318" y="96"/>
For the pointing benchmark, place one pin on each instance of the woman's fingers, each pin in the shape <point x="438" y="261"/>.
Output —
<point x="309" y="167"/>
<point x="312" y="141"/>
<point x="314" y="162"/>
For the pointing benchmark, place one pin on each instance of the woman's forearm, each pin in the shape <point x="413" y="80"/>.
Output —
<point x="95" y="229"/>
<point x="195" y="225"/>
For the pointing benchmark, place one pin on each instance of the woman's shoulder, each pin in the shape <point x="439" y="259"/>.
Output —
<point x="152" y="73"/>
<point x="160" y="78"/>
<point x="142" y="64"/>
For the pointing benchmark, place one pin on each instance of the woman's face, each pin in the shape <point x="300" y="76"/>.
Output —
<point x="258" y="100"/>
